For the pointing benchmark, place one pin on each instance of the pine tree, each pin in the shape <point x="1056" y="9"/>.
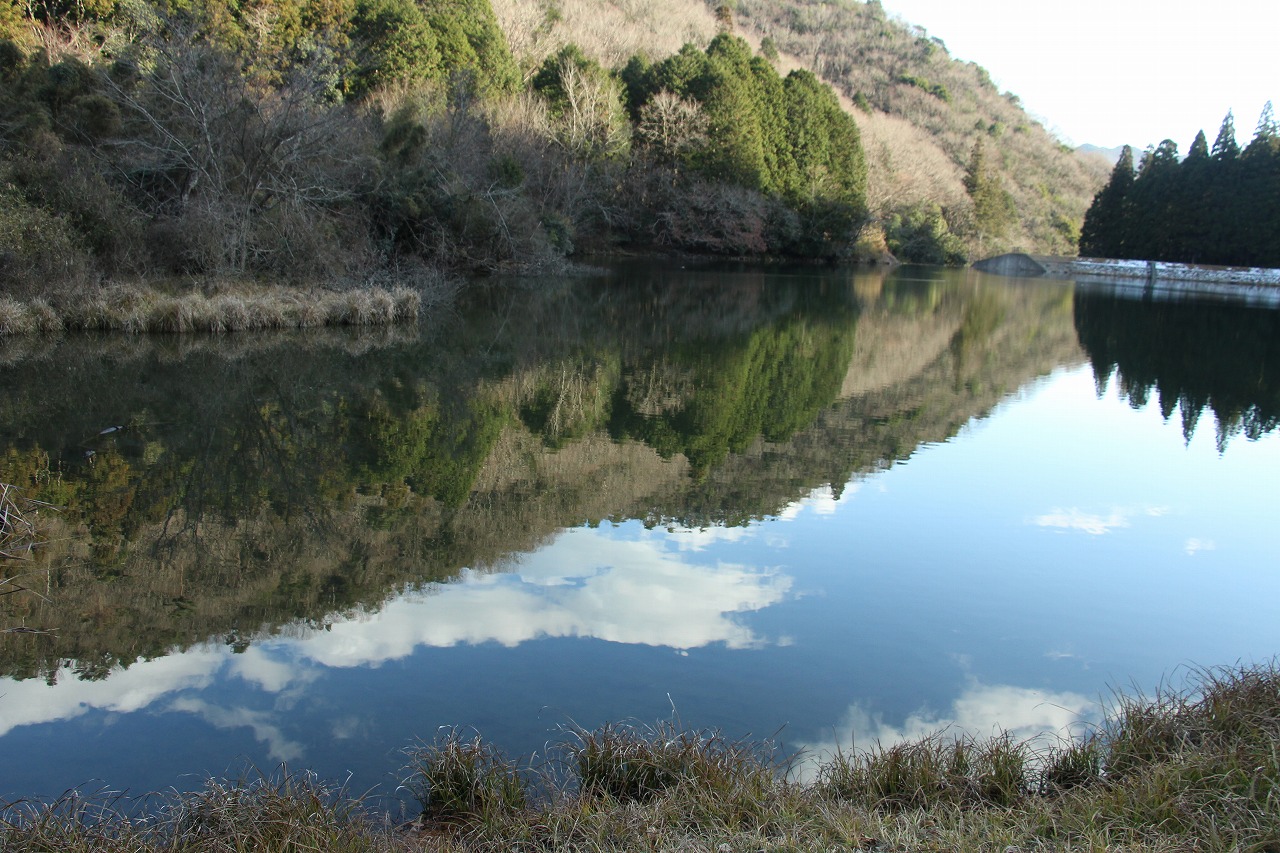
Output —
<point x="1260" y="174"/>
<point x="1221" y="240"/>
<point x="1104" y="233"/>
<point x="1191" y="215"/>
<point x="1199" y="149"/>
<point x="1225" y="146"/>
<point x="993" y="208"/>
<point x="1268" y="132"/>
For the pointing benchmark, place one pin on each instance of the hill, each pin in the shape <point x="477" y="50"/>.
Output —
<point x="924" y="117"/>
<point x="355" y="142"/>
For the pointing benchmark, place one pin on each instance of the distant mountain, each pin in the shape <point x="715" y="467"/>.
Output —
<point x="1112" y="155"/>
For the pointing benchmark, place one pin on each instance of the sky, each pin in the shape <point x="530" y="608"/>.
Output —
<point x="1112" y="74"/>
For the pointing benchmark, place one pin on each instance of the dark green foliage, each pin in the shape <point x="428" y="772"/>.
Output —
<point x="396" y="42"/>
<point x="992" y="205"/>
<point x="1217" y="206"/>
<point x="765" y="385"/>
<point x="550" y="83"/>
<point x="1104" y="230"/>
<point x="471" y="45"/>
<point x="1198" y="357"/>
<point x="1225" y="146"/>
<point x="922" y="235"/>
<point x="786" y="139"/>
<point x="828" y="181"/>
<point x="938" y="90"/>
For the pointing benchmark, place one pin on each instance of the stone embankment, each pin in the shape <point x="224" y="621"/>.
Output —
<point x="1155" y="277"/>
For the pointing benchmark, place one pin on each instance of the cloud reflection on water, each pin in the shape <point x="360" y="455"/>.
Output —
<point x="981" y="710"/>
<point x="585" y="583"/>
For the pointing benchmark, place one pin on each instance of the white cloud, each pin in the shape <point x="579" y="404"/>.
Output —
<point x="257" y="666"/>
<point x="279" y="746"/>
<point x="820" y="501"/>
<point x="32" y="701"/>
<point x="584" y="584"/>
<point x="980" y="710"/>
<point x="1195" y="546"/>
<point x="701" y="538"/>
<point x="1074" y="519"/>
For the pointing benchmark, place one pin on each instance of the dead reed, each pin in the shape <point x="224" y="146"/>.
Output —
<point x="135" y="309"/>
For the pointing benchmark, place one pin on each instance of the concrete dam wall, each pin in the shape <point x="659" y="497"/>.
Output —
<point x="1154" y="276"/>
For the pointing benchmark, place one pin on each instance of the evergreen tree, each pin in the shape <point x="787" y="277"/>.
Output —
<point x="828" y="181"/>
<point x="992" y="205"/>
<point x="471" y="44"/>
<point x="1260" y="175"/>
<point x="1225" y="146"/>
<point x="1154" y="204"/>
<point x="1221" y="241"/>
<point x="1191" y="214"/>
<point x="1199" y="149"/>
<point x="1104" y="233"/>
<point x="1268" y="132"/>
<point x="394" y="41"/>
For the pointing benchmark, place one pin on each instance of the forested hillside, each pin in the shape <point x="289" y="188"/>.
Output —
<point x="956" y="169"/>
<point x="1218" y="205"/>
<point x="351" y="142"/>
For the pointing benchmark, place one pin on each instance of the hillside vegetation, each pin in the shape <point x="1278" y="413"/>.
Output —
<point x="357" y="142"/>
<point x="956" y="169"/>
<point x="1218" y="205"/>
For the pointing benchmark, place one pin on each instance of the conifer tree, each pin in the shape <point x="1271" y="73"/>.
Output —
<point x="1199" y="148"/>
<point x="1191" y="215"/>
<point x="1105" y="230"/>
<point x="1221" y="239"/>
<point x="1260" y="174"/>
<point x="1225" y="146"/>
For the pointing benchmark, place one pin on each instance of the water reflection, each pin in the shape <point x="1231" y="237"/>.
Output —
<point x="1040" y="717"/>
<point x="602" y="492"/>
<point x="205" y="496"/>
<point x="1190" y="355"/>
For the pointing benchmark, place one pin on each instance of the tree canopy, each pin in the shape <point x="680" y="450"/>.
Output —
<point x="1218" y="205"/>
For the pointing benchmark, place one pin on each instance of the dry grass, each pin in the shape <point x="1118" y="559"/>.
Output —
<point x="137" y="309"/>
<point x="1195" y="769"/>
<point x="610" y="30"/>
<point x="18" y="534"/>
<point x="295" y="812"/>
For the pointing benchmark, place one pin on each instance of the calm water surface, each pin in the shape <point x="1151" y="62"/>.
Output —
<point x="827" y="508"/>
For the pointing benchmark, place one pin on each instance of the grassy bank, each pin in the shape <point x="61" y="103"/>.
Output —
<point x="1195" y="769"/>
<point x="139" y="309"/>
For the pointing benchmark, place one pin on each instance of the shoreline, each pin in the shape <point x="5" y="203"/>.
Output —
<point x="1148" y="278"/>
<point x="144" y="308"/>
<point x="1193" y="768"/>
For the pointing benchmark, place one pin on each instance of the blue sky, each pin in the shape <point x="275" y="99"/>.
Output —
<point x="1118" y="73"/>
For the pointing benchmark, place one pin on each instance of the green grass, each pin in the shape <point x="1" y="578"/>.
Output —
<point x="1186" y="770"/>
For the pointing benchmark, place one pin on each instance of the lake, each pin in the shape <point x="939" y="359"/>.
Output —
<point x="820" y="507"/>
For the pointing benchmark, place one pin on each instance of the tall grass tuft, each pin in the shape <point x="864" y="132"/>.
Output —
<point x="293" y="812"/>
<point x="461" y="779"/>
<point x="628" y="762"/>
<point x="15" y="318"/>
